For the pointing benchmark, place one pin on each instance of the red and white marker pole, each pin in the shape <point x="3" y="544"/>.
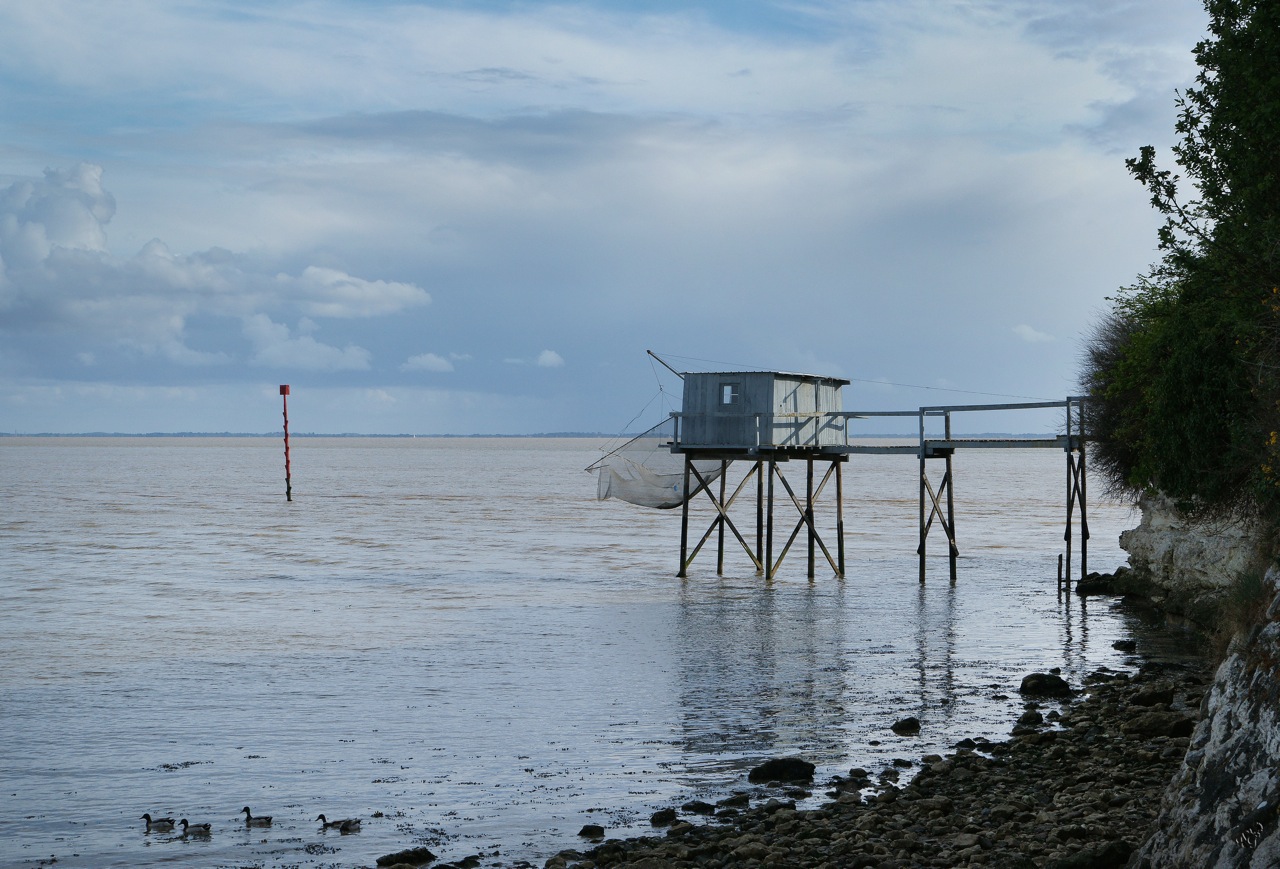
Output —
<point x="288" y="481"/>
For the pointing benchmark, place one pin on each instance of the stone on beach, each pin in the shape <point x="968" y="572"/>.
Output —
<point x="909" y="726"/>
<point x="786" y="769"/>
<point x="408" y="857"/>
<point x="1044" y="685"/>
<point x="1085" y="795"/>
<point x="663" y="818"/>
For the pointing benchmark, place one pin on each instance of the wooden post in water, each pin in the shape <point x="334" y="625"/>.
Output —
<point x="288" y="479"/>
<point x="720" y="519"/>
<point x="760" y="554"/>
<point x="684" y="519"/>
<point x="952" y="551"/>
<point x="768" y="533"/>
<point x="840" y="518"/>
<point x="808" y="514"/>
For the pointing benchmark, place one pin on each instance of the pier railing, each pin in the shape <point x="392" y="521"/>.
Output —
<point x="931" y="446"/>
<point x="830" y="434"/>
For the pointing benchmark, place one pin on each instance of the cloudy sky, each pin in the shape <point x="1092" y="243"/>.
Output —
<point x="475" y="217"/>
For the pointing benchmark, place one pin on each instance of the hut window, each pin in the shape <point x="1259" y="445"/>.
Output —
<point x="728" y="393"/>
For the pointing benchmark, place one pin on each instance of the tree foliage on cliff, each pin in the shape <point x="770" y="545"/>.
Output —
<point x="1184" y="372"/>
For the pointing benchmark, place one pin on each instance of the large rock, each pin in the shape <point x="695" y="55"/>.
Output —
<point x="409" y="857"/>
<point x="909" y="726"/>
<point x="1186" y="568"/>
<point x="1044" y="685"/>
<point x="1222" y="810"/>
<point x="1158" y="724"/>
<point x="782" y="769"/>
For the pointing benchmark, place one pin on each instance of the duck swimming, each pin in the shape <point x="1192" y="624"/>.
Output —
<point x="251" y="821"/>
<point x="346" y="825"/>
<point x="158" y="825"/>
<point x="195" y="829"/>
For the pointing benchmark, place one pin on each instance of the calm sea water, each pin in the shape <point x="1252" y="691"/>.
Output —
<point x="455" y="634"/>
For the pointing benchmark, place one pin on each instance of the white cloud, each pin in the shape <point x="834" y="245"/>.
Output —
<point x="66" y="209"/>
<point x="427" y="362"/>
<point x="902" y="166"/>
<point x="324" y="292"/>
<point x="275" y="347"/>
<point x="59" y="279"/>
<point x="1030" y="335"/>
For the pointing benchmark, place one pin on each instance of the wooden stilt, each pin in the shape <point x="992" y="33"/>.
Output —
<point x="805" y="521"/>
<point x="720" y="520"/>
<point x="760" y="555"/>
<point x="922" y="549"/>
<point x="768" y="559"/>
<point x="808" y="513"/>
<point x="1071" y="500"/>
<point x="684" y="519"/>
<point x="952" y="551"/>
<point x="1084" y="519"/>
<point x="839" y="517"/>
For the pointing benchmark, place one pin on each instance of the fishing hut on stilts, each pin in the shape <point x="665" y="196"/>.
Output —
<point x="765" y="419"/>
<point x="772" y="420"/>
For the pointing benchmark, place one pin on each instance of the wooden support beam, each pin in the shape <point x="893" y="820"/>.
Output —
<point x="945" y="516"/>
<point x="759" y="515"/>
<point x="719" y="523"/>
<point x="839" y="519"/>
<point x="684" y="518"/>
<point x="720" y="520"/>
<point x="768" y="556"/>
<point x="808" y="514"/>
<point x="1076" y="492"/>
<point x="806" y="519"/>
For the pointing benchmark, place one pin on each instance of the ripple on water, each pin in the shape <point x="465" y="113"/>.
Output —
<point x="457" y="643"/>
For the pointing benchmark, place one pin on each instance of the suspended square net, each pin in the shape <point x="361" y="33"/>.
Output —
<point x="644" y="471"/>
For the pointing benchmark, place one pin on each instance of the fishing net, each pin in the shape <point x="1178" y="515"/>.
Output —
<point x="644" y="471"/>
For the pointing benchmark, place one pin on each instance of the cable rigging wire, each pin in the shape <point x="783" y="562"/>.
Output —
<point x="742" y="367"/>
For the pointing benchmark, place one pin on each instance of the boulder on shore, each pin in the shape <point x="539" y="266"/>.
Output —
<point x="410" y="856"/>
<point x="909" y="726"/>
<point x="782" y="769"/>
<point x="663" y="818"/>
<point x="1044" y="685"/>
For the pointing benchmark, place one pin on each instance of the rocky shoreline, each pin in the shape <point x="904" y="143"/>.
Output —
<point x="1078" y="784"/>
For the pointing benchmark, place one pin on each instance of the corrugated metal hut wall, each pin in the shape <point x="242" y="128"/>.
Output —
<point x="795" y="399"/>
<point x="738" y="409"/>
<point x="722" y="409"/>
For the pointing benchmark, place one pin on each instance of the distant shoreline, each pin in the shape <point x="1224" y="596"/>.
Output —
<point x="280" y="434"/>
<point x="553" y="434"/>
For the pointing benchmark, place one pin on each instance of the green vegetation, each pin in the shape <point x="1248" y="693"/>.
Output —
<point x="1242" y="607"/>
<point x="1184" y="372"/>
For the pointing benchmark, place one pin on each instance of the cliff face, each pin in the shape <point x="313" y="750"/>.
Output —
<point x="1185" y="569"/>
<point x="1221" y="808"/>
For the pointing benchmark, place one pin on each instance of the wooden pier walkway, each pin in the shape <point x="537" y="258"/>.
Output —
<point x="828" y="436"/>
